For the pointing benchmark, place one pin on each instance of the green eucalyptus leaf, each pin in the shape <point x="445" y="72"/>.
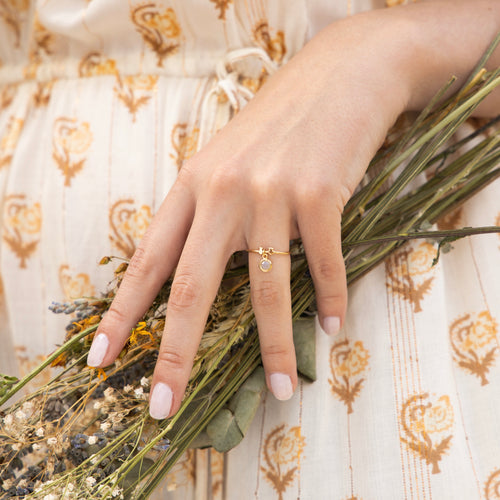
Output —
<point x="304" y="339"/>
<point x="245" y="403"/>
<point x="223" y="431"/>
<point x="230" y="424"/>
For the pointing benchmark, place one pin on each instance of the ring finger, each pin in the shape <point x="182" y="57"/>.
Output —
<point x="270" y="292"/>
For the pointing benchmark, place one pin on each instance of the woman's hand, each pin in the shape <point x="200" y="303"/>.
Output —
<point x="283" y="168"/>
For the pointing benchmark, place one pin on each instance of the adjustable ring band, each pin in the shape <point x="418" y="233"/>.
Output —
<point x="265" y="264"/>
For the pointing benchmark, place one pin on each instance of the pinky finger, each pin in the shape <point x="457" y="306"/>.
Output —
<point x="324" y="255"/>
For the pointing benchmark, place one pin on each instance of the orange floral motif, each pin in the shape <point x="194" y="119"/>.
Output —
<point x="71" y="139"/>
<point x="492" y="486"/>
<point x="22" y="223"/>
<point x="184" y="143"/>
<point x="9" y="141"/>
<point x="75" y="285"/>
<point x="43" y="40"/>
<point x="274" y="46"/>
<point x="158" y="27"/>
<point x="135" y="91"/>
<point x="7" y="96"/>
<point x="41" y="45"/>
<point x="254" y="84"/>
<point x="474" y="341"/>
<point x="41" y="97"/>
<point x="128" y="224"/>
<point x="422" y="421"/>
<point x="282" y="451"/>
<point x="94" y="64"/>
<point x="11" y="12"/>
<point x="408" y="273"/>
<point x="347" y="364"/>
<point x="222" y="6"/>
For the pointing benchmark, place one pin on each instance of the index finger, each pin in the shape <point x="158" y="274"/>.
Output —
<point x="150" y="266"/>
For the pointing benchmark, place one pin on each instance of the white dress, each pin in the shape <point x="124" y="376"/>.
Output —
<point x="101" y="101"/>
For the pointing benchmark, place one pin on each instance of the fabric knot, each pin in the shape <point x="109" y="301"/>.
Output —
<point x="229" y="72"/>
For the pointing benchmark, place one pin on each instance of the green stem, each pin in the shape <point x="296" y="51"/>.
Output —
<point x="25" y="380"/>
<point x="460" y="233"/>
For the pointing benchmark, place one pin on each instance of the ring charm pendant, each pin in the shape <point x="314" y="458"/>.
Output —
<point x="265" y="263"/>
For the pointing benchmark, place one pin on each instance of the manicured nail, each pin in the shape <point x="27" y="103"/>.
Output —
<point x="161" y="401"/>
<point x="331" y="325"/>
<point x="281" y="385"/>
<point x="98" y="350"/>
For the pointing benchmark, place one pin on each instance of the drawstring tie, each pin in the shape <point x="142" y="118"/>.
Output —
<point x="216" y="113"/>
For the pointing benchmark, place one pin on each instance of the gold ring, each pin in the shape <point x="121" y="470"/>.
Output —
<point x="265" y="264"/>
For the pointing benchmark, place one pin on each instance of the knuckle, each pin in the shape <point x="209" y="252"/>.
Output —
<point x="336" y="300"/>
<point x="184" y="293"/>
<point x="139" y="265"/>
<point x="266" y="294"/>
<point x="225" y="181"/>
<point x="114" y="315"/>
<point x="327" y="270"/>
<point x="264" y="186"/>
<point x="185" y="175"/>
<point x="277" y="351"/>
<point x="174" y="359"/>
<point x="313" y="192"/>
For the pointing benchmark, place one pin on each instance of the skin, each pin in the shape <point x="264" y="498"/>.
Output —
<point x="321" y="118"/>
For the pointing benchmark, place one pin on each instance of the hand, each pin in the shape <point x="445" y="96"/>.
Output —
<point x="283" y="168"/>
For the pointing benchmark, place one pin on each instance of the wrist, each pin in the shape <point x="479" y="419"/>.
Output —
<point x="444" y="39"/>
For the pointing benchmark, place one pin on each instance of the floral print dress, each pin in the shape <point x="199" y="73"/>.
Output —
<point x="101" y="102"/>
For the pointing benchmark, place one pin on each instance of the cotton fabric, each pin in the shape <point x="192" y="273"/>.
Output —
<point x="101" y="102"/>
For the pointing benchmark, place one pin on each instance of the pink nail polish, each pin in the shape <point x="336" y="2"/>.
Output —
<point x="281" y="386"/>
<point x="161" y="401"/>
<point x="98" y="350"/>
<point x="331" y="325"/>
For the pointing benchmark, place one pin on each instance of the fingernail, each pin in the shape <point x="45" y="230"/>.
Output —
<point x="161" y="401"/>
<point x="98" y="350"/>
<point x="281" y="385"/>
<point x="331" y="325"/>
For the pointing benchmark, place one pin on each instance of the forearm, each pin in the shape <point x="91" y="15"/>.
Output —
<point x="449" y="37"/>
<point x="421" y="46"/>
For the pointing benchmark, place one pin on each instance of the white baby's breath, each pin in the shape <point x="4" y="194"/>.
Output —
<point x="90" y="481"/>
<point x="52" y="441"/>
<point x="117" y="492"/>
<point x="105" y="426"/>
<point x="20" y="415"/>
